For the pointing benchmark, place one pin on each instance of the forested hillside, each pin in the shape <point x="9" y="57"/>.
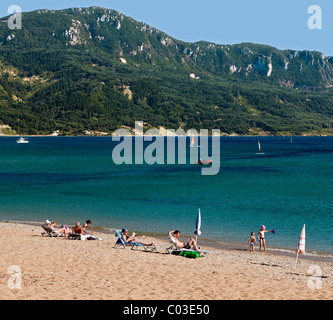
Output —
<point x="94" y="69"/>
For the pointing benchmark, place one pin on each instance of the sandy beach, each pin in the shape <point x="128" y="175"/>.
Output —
<point x="62" y="269"/>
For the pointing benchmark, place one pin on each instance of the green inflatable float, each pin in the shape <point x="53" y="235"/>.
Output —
<point x="190" y="254"/>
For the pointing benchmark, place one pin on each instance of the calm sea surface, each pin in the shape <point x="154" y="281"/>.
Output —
<point x="69" y="179"/>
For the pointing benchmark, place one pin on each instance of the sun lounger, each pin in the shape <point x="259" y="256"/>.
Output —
<point x="120" y="243"/>
<point x="50" y="232"/>
<point x="79" y="236"/>
<point x="74" y="236"/>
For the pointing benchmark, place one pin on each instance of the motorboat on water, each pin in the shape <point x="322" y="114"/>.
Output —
<point x="22" y="140"/>
<point x="204" y="162"/>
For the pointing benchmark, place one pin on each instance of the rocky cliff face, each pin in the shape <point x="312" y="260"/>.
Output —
<point x="137" y="42"/>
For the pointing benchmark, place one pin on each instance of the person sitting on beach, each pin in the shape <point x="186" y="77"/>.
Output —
<point x="66" y="228"/>
<point x="52" y="225"/>
<point x="78" y="229"/>
<point x="180" y="245"/>
<point x="85" y="225"/>
<point x="129" y="239"/>
<point x="261" y="237"/>
<point x="252" y="242"/>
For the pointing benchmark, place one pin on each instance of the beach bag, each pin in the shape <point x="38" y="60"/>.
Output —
<point x="83" y="237"/>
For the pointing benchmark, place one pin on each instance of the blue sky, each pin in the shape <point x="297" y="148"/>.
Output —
<point x="282" y="24"/>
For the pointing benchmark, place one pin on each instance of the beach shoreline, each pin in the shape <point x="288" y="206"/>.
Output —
<point x="61" y="269"/>
<point x="208" y="243"/>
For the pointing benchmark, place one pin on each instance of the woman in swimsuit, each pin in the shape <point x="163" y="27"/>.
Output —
<point x="129" y="239"/>
<point x="261" y="237"/>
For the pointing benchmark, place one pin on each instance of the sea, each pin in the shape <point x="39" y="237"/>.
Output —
<point x="70" y="179"/>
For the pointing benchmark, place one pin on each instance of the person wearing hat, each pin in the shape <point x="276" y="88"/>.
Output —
<point x="52" y="225"/>
<point x="126" y="237"/>
<point x="261" y="237"/>
<point x="129" y="239"/>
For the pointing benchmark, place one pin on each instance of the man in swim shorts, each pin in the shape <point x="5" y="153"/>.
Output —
<point x="183" y="245"/>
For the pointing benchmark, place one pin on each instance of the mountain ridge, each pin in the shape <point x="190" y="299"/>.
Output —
<point x="78" y="69"/>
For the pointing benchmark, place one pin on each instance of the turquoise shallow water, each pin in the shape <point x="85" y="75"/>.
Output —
<point x="69" y="179"/>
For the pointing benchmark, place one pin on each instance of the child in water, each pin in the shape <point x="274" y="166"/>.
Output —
<point x="261" y="237"/>
<point x="252" y="242"/>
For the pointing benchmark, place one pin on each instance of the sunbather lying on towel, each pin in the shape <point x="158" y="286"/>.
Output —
<point x="129" y="239"/>
<point x="183" y="245"/>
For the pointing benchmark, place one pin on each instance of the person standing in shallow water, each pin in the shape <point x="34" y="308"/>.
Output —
<point x="261" y="237"/>
<point x="252" y="242"/>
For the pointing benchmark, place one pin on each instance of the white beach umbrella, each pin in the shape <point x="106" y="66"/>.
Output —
<point x="301" y="244"/>
<point x="197" y="231"/>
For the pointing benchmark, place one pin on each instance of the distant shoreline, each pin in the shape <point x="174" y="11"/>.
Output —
<point x="110" y="136"/>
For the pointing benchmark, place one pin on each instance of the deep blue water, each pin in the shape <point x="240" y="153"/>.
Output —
<point x="69" y="179"/>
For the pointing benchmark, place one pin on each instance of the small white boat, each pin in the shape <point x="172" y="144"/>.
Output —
<point x="22" y="140"/>
<point x="204" y="162"/>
